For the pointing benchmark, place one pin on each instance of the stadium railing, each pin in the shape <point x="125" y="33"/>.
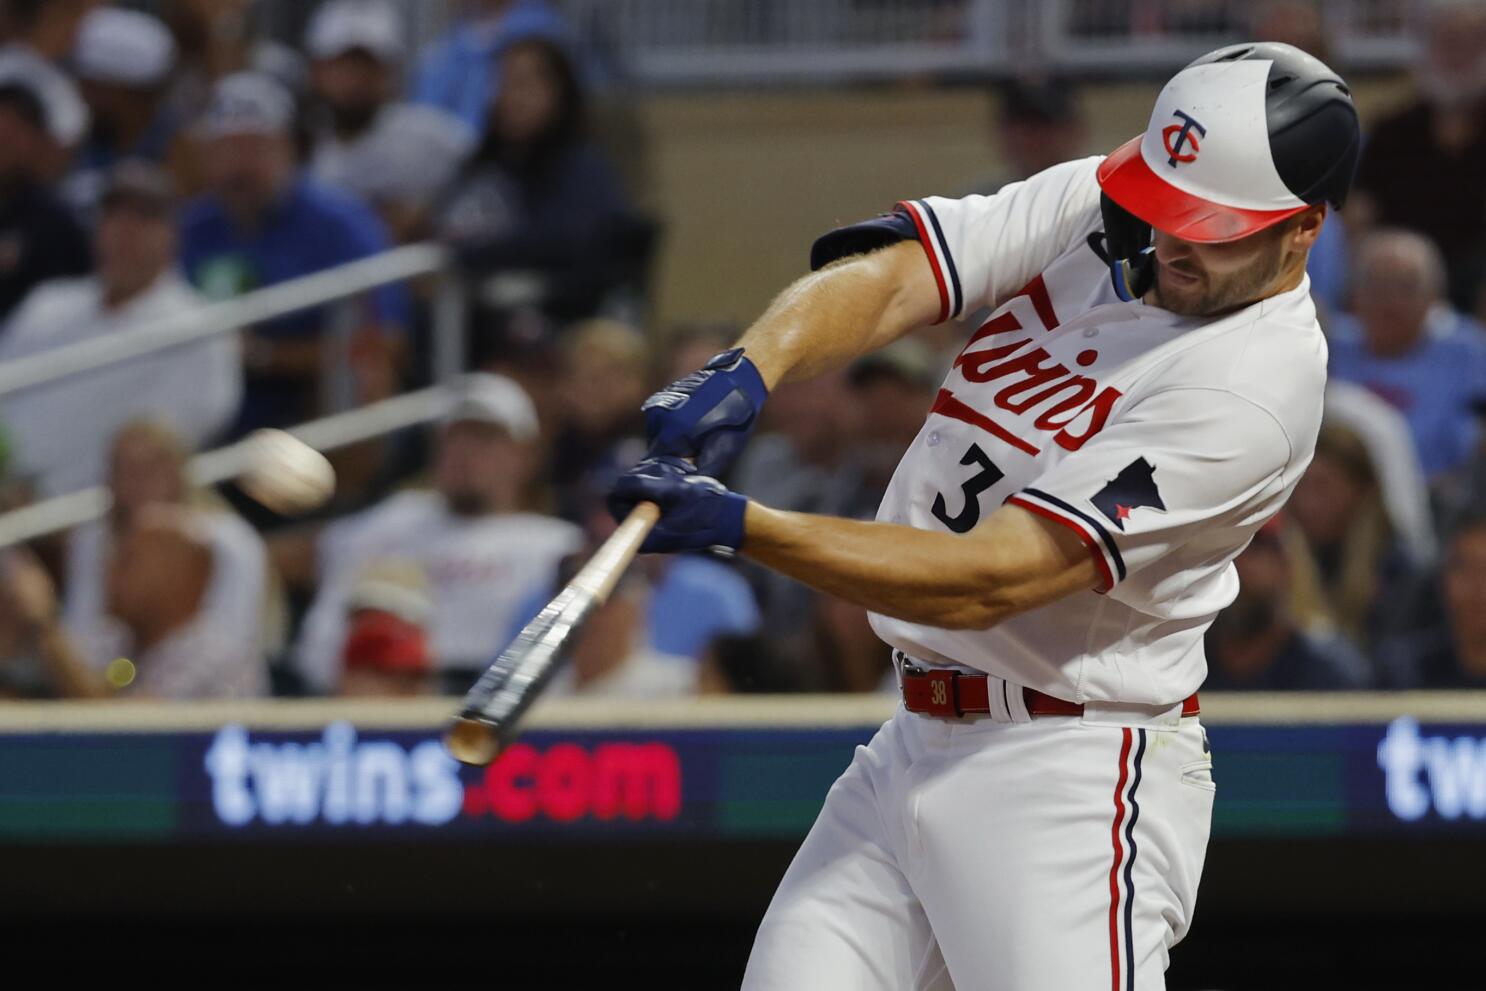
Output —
<point x="336" y="286"/>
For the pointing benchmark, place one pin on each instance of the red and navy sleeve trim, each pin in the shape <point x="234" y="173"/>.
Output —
<point x="931" y="236"/>
<point x="1095" y="537"/>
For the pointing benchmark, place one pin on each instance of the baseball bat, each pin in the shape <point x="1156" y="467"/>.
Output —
<point x="488" y="719"/>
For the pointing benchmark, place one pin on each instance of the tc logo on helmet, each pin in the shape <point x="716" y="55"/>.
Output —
<point x="1184" y="138"/>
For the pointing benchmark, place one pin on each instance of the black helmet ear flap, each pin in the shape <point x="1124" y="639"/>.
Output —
<point x="1125" y="246"/>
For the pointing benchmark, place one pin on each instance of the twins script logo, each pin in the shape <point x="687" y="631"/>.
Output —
<point x="1030" y="382"/>
<point x="1178" y="136"/>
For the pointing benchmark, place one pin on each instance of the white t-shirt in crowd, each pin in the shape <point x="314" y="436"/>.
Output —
<point x="645" y="674"/>
<point x="233" y="604"/>
<point x="61" y="431"/>
<point x="479" y="570"/>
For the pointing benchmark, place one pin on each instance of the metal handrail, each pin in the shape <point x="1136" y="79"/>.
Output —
<point x="326" y="434"/>
<point x="302" y="293"/>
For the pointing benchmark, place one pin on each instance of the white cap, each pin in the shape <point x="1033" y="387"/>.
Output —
<point x="485" y="398"/>
<point x="342" y="26"/>
<point x="248" y="103"/>
<point x="125" y="47"/>
<point x="66" y="115"/>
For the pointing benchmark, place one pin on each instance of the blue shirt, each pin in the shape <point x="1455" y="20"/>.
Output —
<point x="694" y="603"/>
<point x="1436" y="386"/>
<point x="313" y="228"/>
<point x="1327" y="265"/>
<point x="459" y="75"/>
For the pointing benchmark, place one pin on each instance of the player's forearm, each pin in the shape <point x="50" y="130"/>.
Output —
<point x="830" y="317"/>
<point x="937" y="579"/>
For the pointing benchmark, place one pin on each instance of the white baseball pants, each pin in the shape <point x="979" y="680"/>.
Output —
<point x="1058" y="854"/>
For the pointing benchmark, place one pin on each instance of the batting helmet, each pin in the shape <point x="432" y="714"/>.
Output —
<point x="1239" y="140"/>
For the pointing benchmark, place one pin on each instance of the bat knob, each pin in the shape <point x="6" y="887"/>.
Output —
<point x="472" y="742"/>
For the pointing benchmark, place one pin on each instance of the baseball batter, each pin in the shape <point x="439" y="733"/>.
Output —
<point x="1143" y="397"/>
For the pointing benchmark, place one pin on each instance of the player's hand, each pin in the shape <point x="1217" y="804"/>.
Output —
<point x="697" y="512"/>
<point x="708" y="415"/>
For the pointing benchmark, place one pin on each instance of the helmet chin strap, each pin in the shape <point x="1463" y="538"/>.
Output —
<point x="1125" y="246"/>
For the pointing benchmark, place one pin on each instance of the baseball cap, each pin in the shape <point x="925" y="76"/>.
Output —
<point x="486" y="398"/>
<point x="342" y="26"/>
<point x="248" y="103"/>
<point x="1239" y="140"/>
<point x="140" y="182"/>
<point x="124" y="47"/>
<point x="64" y="115"/>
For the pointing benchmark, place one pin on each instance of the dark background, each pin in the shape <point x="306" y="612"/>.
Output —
<point x="1291" y="914"/>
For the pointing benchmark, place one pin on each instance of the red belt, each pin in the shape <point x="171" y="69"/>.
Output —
<point x="945" y="692"/>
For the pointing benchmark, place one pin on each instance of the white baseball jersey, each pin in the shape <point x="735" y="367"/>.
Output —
<point x="1162" y="441"/>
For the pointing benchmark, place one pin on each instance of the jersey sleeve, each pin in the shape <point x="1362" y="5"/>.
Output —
<point x="983" y="249"/>
<point x="1181" y="465"/>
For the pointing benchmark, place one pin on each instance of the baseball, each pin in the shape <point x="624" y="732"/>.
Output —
<point x="285" y="474"/>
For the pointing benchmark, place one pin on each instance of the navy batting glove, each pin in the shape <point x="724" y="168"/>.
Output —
<point x="697" y="512"/>
<point x="708" y="415"/>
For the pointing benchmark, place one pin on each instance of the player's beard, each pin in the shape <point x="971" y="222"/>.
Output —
<point x="1206" y="298"/>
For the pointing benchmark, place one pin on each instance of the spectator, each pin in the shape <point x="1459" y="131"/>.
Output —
<point x="538" y="205"/>
<point x="39" y="239"/>
<point x="805" y="460"/>
<point x="1364" y="570"/>
<point x="1039" y="124"/>
<point x="396" y="156"/>
<point x="1454" y="656"/>
<point x="61" y="431"/>
<point x="1422" y="166"/>
<point x="482" y="555"/>
<point x="386" y="652"/>
<point x="147" y="468"/>
<point x="37" y="657"/>
<point x="39" y="36"/>
<point x="1301" y="23"/>
<point x="1405" y="344"/>
<point x="1256" y="644"/>
<point x="456" y="75"/>
<point x="604" y="380"/>
<point x="262" y="223"/>
<point x="1390" y="449"/>
<point x="124" y="60"/>
<point x="158" y="581"/>
<point x="894" y="388"/>
<point x="612" y="660"/>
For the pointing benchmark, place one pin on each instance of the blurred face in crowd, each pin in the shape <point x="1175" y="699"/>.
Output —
<point x="604" y="377"/>
<point x="1205" y="279"/>
<point x="134" y="244"/>
<point x="1452" y="67"/>
<point x="158" y="571"/>
<point x="145" y="468"/>
<point x="53" y="30"/>
<point x="353" y="86"/>
<point x="249" y="171"/>
<point x="1399" y="278"/>
<point x="1292" y="22"/>
<point x="1326" y="500"/>
<point x="22" y="143"/>
<point x="530" y="93"/>
<point x="480" y="468"/>
<point x="815" y="415"/>
<point x="1465" y="591"/>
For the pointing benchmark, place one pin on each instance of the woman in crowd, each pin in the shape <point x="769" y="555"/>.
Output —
<point x="539" y="215"/>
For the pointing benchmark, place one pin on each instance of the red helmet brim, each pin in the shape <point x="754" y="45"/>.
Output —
<point x="1128" y="180"/>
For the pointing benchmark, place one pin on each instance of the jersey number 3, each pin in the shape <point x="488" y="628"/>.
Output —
<point x="972" y="487"/>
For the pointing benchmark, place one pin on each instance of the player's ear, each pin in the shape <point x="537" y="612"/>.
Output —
<point x="1307" y="226"/>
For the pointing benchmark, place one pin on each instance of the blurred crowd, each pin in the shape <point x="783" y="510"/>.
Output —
<point x="156" y="159"/>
